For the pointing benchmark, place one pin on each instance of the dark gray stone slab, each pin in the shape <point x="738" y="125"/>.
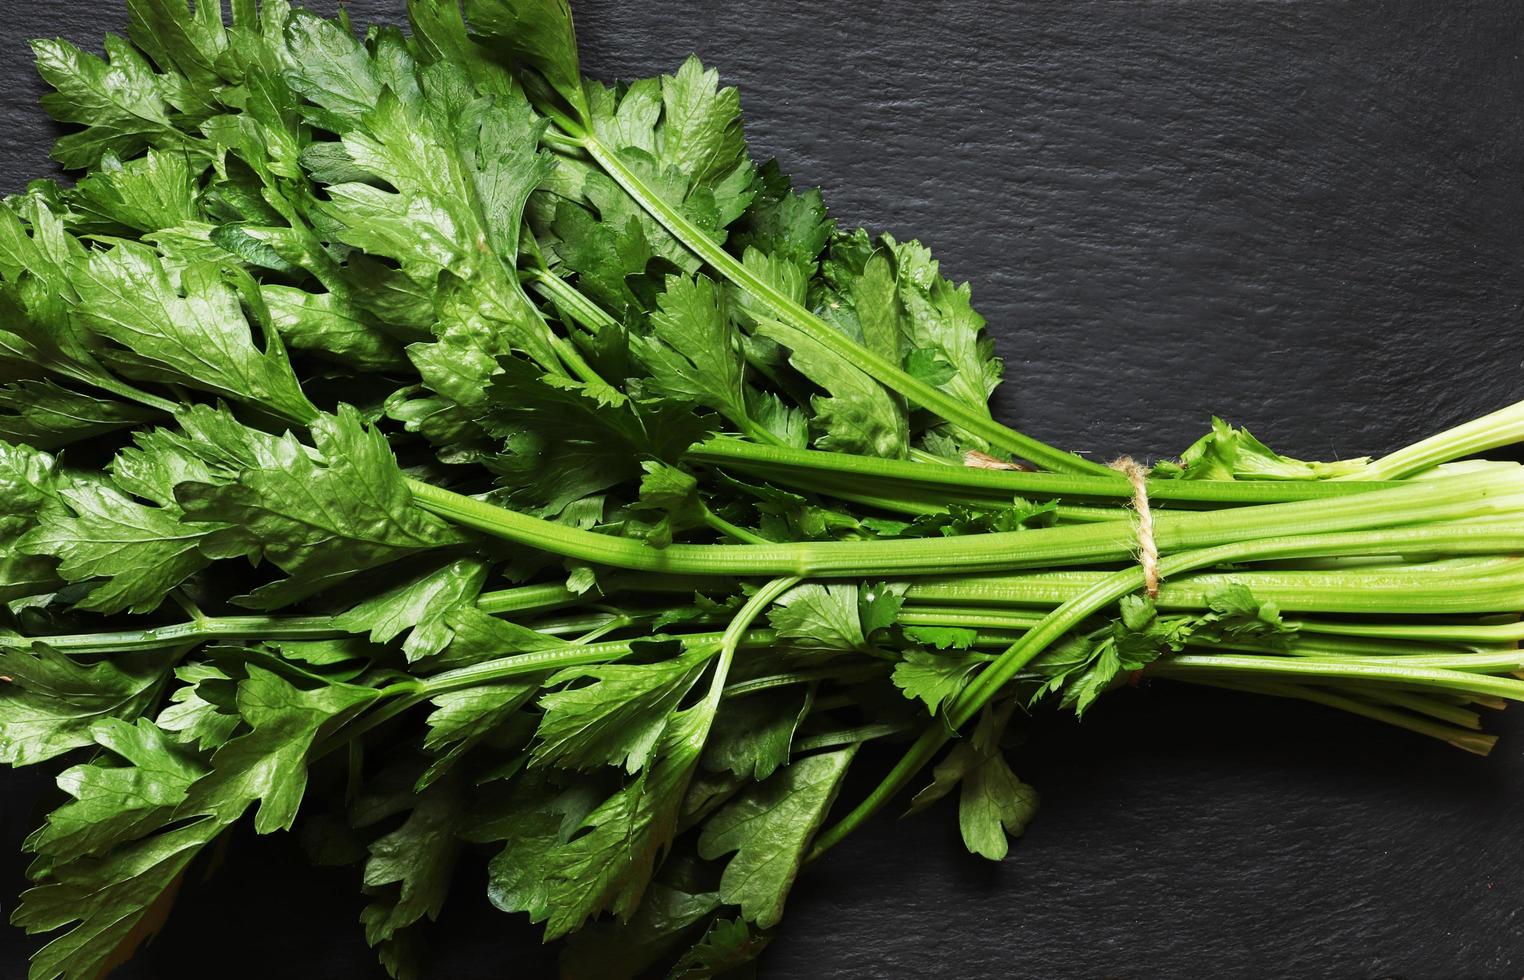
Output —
<point x="1306" y="217"/>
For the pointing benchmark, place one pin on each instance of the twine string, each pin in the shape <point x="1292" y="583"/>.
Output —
<point x="1148" y="551"/>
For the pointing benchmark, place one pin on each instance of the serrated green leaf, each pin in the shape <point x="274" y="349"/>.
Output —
<point x="439" y="33"/>
<point x="858" y="415"/>
<point x="191" y="716"/>
<point x="268" y="763"/>
<point x="39" y="261"/>
<point x="421" y="606"/>
<point x="673" y="493"/>
<point x="418" y="858"/>
<point x="118" y="102"/>
<point x="701" y="123"/>
<point x="728" y="949"/>
<point x="329" y="68"/>
<point x="51" y="703"/>
<point x="29" y="488"/>
<point x="479" y="636"/>
<point x="1227" y="453"/>
<point x="782" y="223"/>
<point x="208" y="446"/>
<point x="862" y="298"/>
<point x="179" y="36"/>
<point x="324" y="653"/>
<point x="933" y="677"/>
<point x="616" y="720"/>
<point x="681" y="134"/>
<point x="753" y="736"/>
<point x="943" y="637"/>
<point x="993" y="803"/>
<point x="318" y="521"/>
<point x="118" y="901"/>
<point x="327" y="324"/>
<point x="605" y="860"/>
<point x="613" y="950"/>
<point x="535" y="33"/>
<point x="994" y="806"/>
<point x="693" y="354"/>
<point x="878" y="605"/>
<point x="121" y="898"/>
<point x="462" y="719"/>
<point x="563" y="441"/>
<point x="837" y="616"/>
<point x="460" y="167"/>
<point x="607" y="254"/>
<point x="529" y="822"/>
<point x="939" y="319"/>
<point x="138" y="553"/>
<point x="770" y="828"/>
<point x="196" y="330"/>
<point x="154" y="191"/>
<point x="47" y="416"/>
<point x="581" y="579"/>
<point x="113" y="803"/>
<point x="1236" y="614"/>
<point x="962" y="519"/>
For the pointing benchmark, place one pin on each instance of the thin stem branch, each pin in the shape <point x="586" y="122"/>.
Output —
<point x="973" y="419"/>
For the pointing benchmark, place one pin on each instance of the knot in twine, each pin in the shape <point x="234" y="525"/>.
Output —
<point x="1148" y="551"/>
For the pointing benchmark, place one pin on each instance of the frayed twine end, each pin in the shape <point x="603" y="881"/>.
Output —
<point x="984" y="461"/>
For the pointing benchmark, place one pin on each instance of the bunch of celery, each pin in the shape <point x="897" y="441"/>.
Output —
<point x="412" y="442"/>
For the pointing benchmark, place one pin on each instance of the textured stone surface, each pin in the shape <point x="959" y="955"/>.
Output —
<point x="1307" y="217"/>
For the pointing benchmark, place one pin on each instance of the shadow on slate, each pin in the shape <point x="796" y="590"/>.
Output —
<point x="1306" y="217"/>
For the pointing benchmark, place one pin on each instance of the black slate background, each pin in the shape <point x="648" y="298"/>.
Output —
<point x="1307" y="217"/>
